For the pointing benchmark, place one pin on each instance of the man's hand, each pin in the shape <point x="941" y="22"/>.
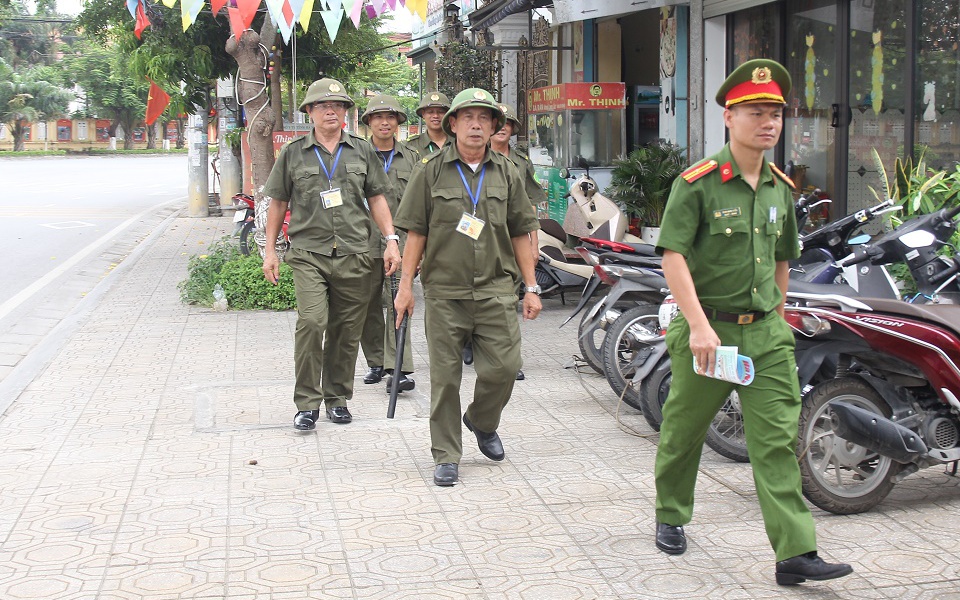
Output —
<point x="403" y="304"/>
<point x="391" y="258"/>
<point x="703" y="344"/>
<point x="271" y="266"/>
<point x="531" y="306"/>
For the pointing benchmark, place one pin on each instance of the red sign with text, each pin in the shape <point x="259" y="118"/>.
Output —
<point x="577" y="96"/>
<point x="279" y="139"/>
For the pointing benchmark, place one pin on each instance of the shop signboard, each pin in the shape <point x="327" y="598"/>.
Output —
<point x="280" y="138"/>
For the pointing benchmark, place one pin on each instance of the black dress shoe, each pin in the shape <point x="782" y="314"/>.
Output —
<point x="374" y="375"/>
<point x="306" y="420"/>
<point x="809" y="566"/>
<point x="405" y="384"/>
<point x="339" y="414"/>
<point x="520" y="375"/>
<point x="489" y="443"/>
<point x="468" y="353"/>
<point x="446" y="474"/>
<point x="671" y="539"/>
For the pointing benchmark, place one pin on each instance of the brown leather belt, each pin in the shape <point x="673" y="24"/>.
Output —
<point x="739" y="318"/>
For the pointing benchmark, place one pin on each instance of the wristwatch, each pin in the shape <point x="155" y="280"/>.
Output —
<point x="532" y="289"/>
<point x="393" y="237"/>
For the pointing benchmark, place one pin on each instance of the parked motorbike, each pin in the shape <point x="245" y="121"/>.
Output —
<point x="889" y="406"/>
<point x="244" y="218"/>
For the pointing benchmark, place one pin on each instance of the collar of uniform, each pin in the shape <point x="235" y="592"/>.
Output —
<point x="452" y="154"/>
<point x="344" y="139"/>
<point x="725" y="157"/>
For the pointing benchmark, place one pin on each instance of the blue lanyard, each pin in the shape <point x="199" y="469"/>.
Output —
<point x="336" y="160"/>
<point x="475" y="198"/>
<point x="388" y="161"/>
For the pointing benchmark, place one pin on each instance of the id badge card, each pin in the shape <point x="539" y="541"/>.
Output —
<point x="470" y="226"/>
<point x="331" y="198"/>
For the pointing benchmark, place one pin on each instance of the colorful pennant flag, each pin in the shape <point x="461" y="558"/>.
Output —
<point x="169" y="3"/>
<point x="132" y="7"/>
<point x="248" y="10"/>
<point x="305" y="13"/>
<point x="189" y="9"/>
<point x="332" y="20"/>
<point x="142" y="21"/>
<point x="157" y="101"/>
<point x="335" y="4"/>
<point x="236" y="22"/>
<point x="216" y="5"/>
<point x="355" y="12"/>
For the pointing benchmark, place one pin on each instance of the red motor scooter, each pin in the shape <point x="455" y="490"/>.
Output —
<point x="245" y="219"/>
<point x="880" y="377"/>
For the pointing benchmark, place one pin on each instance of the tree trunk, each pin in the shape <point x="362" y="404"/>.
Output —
<point x="253" y="92"/>
<point x="128" y="121"/>
<point x="180" y="139"/>
<point x="17" y="132"/>
<point x="152" y="136"/>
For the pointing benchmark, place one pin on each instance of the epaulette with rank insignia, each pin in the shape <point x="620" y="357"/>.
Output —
<point x="782" y="176"/>
<point x="427" y="159"/>
<point x="413" y="137"/>
<point x="697" y="171"/>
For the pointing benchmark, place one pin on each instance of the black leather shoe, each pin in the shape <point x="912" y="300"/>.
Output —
<point x="305" y="420"/>
<point x="489" y="443"/>
<point x="468" y="353"/>
<point x="339" y="414"/>
<point x="404" y="385"/>
<point x="374" y="375"/>
<point x="671" y="539"/>
<point x="446" y="474"/>
<point x="809" y="566"/>
<point x="520" y="375"/>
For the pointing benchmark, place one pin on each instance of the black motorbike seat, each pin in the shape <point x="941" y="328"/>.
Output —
<point x="945" y="315"/>
<point x="805" y="287"/>
<point x="553" y="229"/>
<point x="613" y="258"/>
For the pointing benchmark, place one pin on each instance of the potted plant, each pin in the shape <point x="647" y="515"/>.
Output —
<point x="641" y="183"/>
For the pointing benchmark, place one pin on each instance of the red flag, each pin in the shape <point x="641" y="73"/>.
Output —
<point x="142" y="21"/>
<point x="236" y="22"/>
<point x="248" y="10"/>
<point x="216" y="5"/>
<point x="157" y="101"/>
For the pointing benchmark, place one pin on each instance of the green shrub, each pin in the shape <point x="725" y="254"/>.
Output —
<point x="241" y="278"/>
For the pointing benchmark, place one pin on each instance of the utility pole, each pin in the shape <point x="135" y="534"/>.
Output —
<point x="230" y="168"/>
<point x="197" y="155"/>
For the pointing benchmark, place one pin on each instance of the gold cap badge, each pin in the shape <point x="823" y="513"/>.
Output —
<point x="479" y="95"/>
<point x="435" y="97"/>
<point x="761" y="75"/>
<point x="334" y="88"/>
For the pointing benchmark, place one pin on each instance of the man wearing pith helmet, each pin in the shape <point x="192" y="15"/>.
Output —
<point x="383" y="117"/>
<point x="433" y="106"/>
<point x="467" y="215"/>
<point x="726" y="237"/>
<point x="328" y="178"/>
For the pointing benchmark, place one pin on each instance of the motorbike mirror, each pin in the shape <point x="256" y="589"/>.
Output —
<point x="565" y="173"/>
<point x="860" y="239"/>
<point x="918" y="239"/>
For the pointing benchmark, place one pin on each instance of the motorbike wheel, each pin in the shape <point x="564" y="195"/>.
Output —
<point x="838" y="476"/>
<point x="247" y="243"/>
<point x="624" y="348"/>
<point x="725" y="436"/>
<point x="591" y="344"/>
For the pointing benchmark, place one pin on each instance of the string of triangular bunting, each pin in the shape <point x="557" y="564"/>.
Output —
<point x="285" y="13"/>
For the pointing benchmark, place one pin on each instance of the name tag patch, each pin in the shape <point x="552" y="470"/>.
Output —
<point x="726" y="213"/>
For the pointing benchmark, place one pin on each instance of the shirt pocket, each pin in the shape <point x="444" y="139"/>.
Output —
<point x="729" y="241"/>
<point x="448" y="205"/>
<point x="307" y="185"/>
<point x="495" y="199"/>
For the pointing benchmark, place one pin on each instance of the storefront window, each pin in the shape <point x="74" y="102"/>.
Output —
<point x="811" y="61"/>
<point x="756" y="33"/>
<point x="937" y="98"/>
<point x="596" y="136"/>
<point x="877" y="95"/>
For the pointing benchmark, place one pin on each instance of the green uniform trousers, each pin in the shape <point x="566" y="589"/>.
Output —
<point x="379" y="340"/>
<point x="332" y="294"/>
<point x="771" y="408"/>
<point x="492" y="323"/>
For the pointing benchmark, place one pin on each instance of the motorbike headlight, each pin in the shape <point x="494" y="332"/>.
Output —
<point x="808" y="325"/>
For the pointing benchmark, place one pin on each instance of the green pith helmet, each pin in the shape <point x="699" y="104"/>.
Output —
<point x="433" y="100"/>
<point x="511" y="116"/>
<point x="474" y="97"/>
<point x="383" y="103"/>
<point x="325" y="90"/>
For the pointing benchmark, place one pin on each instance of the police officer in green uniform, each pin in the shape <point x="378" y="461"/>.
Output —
<point x="726" y="236"/>
<point x="383" y="117"/>
<point x="433" y="106"/>
<point x="466" y="213"/>
<point x="328" y="178"/>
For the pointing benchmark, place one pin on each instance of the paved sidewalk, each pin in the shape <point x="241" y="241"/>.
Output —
<point x="154" y="458"/>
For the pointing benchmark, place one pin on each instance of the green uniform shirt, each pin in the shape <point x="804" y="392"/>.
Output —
<point x="731" y="235"/>
<point x="536" y="193"/>
<point x="422" y="143"/>
<point x="455" y="266"/>
<point x="298" y="178"/>
<point x="405" y="159"/>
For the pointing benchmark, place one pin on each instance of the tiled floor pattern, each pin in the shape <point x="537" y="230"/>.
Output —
<point x="155" y="459"/>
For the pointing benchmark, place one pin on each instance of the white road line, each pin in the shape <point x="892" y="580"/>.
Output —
<point x="67" y="225"/>
<point x="10" y="305"/>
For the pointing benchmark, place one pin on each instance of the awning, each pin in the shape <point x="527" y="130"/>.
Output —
<point x="423" y="54"/>
<point x="498" y="10"/>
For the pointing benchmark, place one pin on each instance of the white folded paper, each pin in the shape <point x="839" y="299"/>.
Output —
<point x="730" y="366"/>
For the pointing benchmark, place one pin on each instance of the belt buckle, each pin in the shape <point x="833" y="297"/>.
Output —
<point x="745" y="319"/>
